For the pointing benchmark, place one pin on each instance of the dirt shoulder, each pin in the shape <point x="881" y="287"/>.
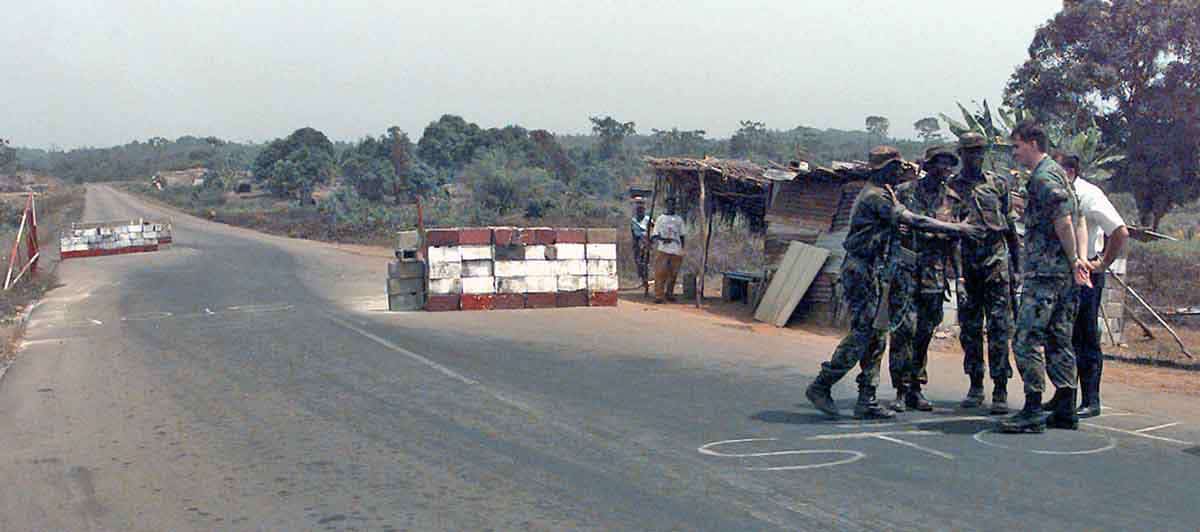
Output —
<point x="57" y="209"/>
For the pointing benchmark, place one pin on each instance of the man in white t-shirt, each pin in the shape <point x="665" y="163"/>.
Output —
<point x="1102" y="221"/>
<point x="668" y="239"/>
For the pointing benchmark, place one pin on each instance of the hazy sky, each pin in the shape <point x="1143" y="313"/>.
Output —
<point x="103" y="73"/>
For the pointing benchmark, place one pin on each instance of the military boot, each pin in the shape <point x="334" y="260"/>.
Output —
<point x="901" y="398"/>
<point x="820" y="394"/>
<point x="1063" y="416"/>
<point x="916" y="400"/>
<point x="999" y="397"/>
<point x="1089" y="389"/>
<point x="868" y="407"/>
<point x="1029" y="419"/>
<point x="975" y="394"/>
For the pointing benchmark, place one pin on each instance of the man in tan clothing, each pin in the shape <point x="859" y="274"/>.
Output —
<point x="668" y="240"/>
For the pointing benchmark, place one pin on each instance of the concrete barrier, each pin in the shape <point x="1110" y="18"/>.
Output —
<point x="95" y="239"/>
<point x="494" y="268"/>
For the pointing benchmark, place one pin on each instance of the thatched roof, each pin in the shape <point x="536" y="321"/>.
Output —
<point x="726" y="168"/>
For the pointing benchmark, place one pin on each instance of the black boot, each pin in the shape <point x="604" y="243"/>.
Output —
<point x="868" y="407"/>
<point x="1089" y="389"/>
<point x="901" y="395"/>
<point x="1029" y="419"/>
<point x="1063" y="416"/>
<point x="820" y="394"/>
<point x="974" y="395"/>
<point x="999" y="397"/>
<point x="916" y="400"/>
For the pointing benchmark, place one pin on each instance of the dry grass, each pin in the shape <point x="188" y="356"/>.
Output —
<point x="57" y="209"/>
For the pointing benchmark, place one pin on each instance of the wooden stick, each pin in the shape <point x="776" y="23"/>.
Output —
<point x="704" y="222"/>
<point x="1112" y="340"/>
<point x="646" y="244"/>
<point x="12" y="259"/>
<point x="1145" y="330"/>
<point x="1155" y="314"/>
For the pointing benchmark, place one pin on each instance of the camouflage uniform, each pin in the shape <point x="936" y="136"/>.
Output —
<point x="909" y="345"/>
<point x="871" y="226"/>
<point x="1049" y="297"/>
<point x="986" y="275"/>
<point x="870" y="248"/>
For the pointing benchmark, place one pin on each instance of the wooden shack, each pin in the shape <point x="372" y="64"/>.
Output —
<point x="797" y="202"/>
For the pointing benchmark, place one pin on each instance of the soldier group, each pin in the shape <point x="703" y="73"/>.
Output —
<point x="910" y="236"/>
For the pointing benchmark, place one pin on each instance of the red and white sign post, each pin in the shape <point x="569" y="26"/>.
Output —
<point x="28" y="218"/>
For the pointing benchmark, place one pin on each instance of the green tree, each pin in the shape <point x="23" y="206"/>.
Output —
<point x="370" y="176"/>
<point x="296" y="163"/>
<point x="450" y="142"/>
<point x="751" y="138"/>
<point x="548" y="154"/>
<point x="8" y="155"/>
<point x="1132" y="67"/>
<point x="297" y="174"/>
<point x="676" y="142"/>
<point x="878" y="126"/>
<point x="400" y="154"/>
<point x="501" y="182"/>
<point x="612" y="134"/>
<point x="929" y="129"/>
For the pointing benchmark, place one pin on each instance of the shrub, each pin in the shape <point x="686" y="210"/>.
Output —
<point x="1165" y="272"/>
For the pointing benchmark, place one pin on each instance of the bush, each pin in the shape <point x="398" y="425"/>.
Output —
<point x="1165" y="273"/>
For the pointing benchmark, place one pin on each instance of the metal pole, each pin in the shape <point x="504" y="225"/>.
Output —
<point x="1153" y="313"/>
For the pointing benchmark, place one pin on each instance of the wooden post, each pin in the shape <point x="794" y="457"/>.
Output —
<point x="1153" y="313"/>
<point x="646" y="239"/>
<point x="705" y="222"/>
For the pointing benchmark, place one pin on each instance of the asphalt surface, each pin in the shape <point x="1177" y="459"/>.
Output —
<point x="247" y="382"/>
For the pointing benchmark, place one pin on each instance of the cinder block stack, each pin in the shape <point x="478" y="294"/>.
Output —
<point x="514" y="268"/>
<point x="113" y="238"/>
<point x="602" y="281"/>
<point x="406" y="275"/>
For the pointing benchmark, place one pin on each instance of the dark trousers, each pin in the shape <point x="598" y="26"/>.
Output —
<point x="1089" y="358"/>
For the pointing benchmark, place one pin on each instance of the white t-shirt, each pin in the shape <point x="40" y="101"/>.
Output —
<point x="1102" y="218"/>
<point x="669" y="227"/>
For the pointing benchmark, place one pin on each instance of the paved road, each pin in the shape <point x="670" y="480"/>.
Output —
<point x="247" y="382"/>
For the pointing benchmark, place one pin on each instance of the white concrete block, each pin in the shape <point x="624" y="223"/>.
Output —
<point x="601" y="267"/>
<point x="444" y="287"/>
<point x="443" y="255"/>
<point x="571" y="283"/>
<point x="603" y="283"/>
<point x="135" y="229"/>
<point x="541" y="268"/>
<point x="541" y="284"/>
<point x="571" y="251"/>
<point x="150" y="234"/>
<point x="477" y="268"/>
<point x="445" y="270"/>
<point x="571" y="267"/>
<point x="479" y="285"/>
<point x="510" y="268"/>
<point x="535" y="252"/>
<point x="602" y="251"/>
<point x="510" y="285"/>
<point x="475" y="252"/>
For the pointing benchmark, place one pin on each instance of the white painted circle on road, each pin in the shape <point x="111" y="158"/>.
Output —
<point x="851" y="456"/>
<point x="1110" y="445"/>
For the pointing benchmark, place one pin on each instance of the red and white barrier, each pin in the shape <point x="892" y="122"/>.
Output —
<point x="113" y="238"/>
<point x="512" y="268"/>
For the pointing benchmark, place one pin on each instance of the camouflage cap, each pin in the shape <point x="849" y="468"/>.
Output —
<point x="880" y="156"/>
<point x="940" y="151"/>
<point x="972" y="141"/>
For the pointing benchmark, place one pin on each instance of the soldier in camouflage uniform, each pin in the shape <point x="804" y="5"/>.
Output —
<point x="873" y="224"/>
<point x="908" y="350"/>
<point x="1055" y="251"/>
<point x="987" y="268"/>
